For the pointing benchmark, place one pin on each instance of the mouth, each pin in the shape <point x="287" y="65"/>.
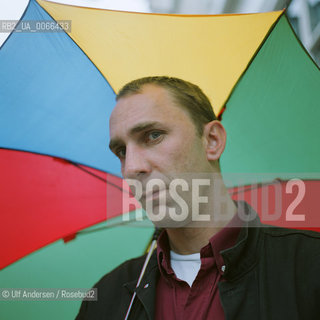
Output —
<point x="153" y="195"/>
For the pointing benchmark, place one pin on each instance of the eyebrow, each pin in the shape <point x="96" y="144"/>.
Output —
<point x="136" y="129"/>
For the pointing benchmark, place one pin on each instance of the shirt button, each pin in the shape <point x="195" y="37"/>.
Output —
<point x="223" y="268"/>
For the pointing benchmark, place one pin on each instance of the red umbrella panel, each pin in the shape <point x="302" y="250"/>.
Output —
<point x="50" y="199"/>
<point x="291" y="203"/>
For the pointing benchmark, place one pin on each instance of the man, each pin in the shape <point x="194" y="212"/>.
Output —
<point x="214" y="260"/>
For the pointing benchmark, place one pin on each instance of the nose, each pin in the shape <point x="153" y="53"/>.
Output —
<point x="136" y="163"/>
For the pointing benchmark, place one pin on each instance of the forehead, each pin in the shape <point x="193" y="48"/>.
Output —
<point x="153" y="103"/>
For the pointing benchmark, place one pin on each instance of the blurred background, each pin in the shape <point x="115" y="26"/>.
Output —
<point x="304" y="15"/>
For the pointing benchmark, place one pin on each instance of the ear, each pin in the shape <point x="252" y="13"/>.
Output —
<point x="215" y="139"/>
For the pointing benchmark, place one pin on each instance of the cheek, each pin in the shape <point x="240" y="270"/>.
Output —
<point x="195" y="157"/>
<point x="180" y="154"/>
<point x="184" y="157"/>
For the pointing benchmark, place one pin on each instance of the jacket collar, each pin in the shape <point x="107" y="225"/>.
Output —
<point x="244" y="255"/>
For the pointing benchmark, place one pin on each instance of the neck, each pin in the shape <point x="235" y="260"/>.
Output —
<point x="192" y="238"/>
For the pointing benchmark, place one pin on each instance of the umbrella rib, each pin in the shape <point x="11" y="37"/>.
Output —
<point x="57" y="158"/>
<point x="96" y="176"/>
<point x="254" y="186"/>
<point x="107" y="227"/>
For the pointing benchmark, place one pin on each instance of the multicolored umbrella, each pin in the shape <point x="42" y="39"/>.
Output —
<point x="58" y="89"/>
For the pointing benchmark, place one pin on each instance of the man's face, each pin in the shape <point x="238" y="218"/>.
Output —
<point x="155" y="139"/>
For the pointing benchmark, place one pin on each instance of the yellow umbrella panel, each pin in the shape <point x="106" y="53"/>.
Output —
<point x="211" y="51"/>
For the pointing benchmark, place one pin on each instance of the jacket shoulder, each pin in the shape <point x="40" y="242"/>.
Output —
<point x="274" y="231"/>
<point x="125" y="272"/>
<point x="301" y="247"/>
<point x="303" y="242"/>
<point x="111" y="291"/>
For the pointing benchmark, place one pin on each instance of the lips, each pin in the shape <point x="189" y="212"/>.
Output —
<point x="152" y="195"/>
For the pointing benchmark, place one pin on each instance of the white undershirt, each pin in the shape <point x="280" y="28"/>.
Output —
<point x="185" y="266"/>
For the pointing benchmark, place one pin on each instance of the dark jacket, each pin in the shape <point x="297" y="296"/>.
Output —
<point x="271" y="273"/>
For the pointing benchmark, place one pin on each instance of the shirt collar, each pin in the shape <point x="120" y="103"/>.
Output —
<point x="163" y="255"/>
<point x="220" y="241"/>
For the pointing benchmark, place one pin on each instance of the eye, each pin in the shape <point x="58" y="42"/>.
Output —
<point x="120" y="152"/>
<point x="154" y="135"/>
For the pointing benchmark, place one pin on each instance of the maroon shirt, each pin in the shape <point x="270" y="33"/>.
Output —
<point x="175" y="299"/>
